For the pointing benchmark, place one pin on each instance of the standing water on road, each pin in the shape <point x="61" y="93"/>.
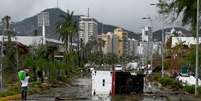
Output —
<point x="80" y="90"/>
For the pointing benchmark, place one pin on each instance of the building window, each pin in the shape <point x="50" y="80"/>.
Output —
<point x="103" y="82"/>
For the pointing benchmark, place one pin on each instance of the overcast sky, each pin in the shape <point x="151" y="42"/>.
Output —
<point x="124" y="13"/>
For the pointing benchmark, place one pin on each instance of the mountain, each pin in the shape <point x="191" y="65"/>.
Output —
<point x="157" y="36"/>
<point x="110" y="28"/>
<point x="29" y="25"/>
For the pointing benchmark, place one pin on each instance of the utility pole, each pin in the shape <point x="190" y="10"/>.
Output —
<point x="88" y="12"/>
<point x="197" y="48"/>
<point x="43" y="30"/>
<point x="43" y="21"/>
<point x="152" y="45"/>
<point x="1" y="69"/>
<point x="162" y="43"/>
<point x="150" y="39"/>
<point x="57" y="3"/>
<point x="78" y="49"/>
<point x="162" y="50"/>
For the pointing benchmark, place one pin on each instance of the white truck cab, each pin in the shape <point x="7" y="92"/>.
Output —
<point x="118" y="67"/>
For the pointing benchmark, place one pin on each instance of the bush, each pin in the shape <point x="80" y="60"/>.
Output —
<point x="13" y="90"/>
<point x="169" y="82"/>
<point x="199" y="90"/>
<point x="189" y="89"/>
<point x="166" y="81"/>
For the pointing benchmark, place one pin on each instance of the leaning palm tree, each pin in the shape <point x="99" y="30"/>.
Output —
<point x="67" y="29"/>
<point x="186" y="8"/>
<point x="101" y="44"/>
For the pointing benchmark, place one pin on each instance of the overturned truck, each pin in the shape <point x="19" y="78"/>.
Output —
<point x="125" y="83"/>
<point x="107" y="83"/>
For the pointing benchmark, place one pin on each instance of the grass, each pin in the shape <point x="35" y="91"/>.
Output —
<point x="8" y="98"/>
<point x="13" y="92"/>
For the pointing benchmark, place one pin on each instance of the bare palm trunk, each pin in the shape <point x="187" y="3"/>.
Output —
<point x="66" y="49"/>
<point x="68" y="43"/>
<point x="71" y="43"/>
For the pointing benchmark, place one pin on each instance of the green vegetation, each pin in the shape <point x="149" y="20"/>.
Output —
<point x="67" y="29"/>
<point x="53" y="69"/>
<point x="34" y="87"/>
<point x="169" y="82"/>
<point x="186" y="8"/>
<point x="176" y="85"/>
<point x="10" y="91"/>
<point x="40" y="60"/>
<point x="189" y="89"/>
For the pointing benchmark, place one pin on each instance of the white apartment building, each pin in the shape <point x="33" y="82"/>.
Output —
<point x="184" y="40"/>
<point x="88" y="28"/>
<point x="146" y="32"/>
<point x="107" y="42"/>
<point x="132" y="47"/>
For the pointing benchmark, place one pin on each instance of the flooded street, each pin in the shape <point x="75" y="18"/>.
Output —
<point x="80" y="90"/>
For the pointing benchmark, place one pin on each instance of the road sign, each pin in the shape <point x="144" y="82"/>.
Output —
<point x="43" y="20"/>
<point x="43" y="17"/>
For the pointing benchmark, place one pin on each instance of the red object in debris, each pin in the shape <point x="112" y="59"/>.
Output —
<point x="113" y="82"/>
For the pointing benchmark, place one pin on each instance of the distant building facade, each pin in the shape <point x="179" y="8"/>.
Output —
<point x="132" y="47"/>
<point x="122" y="45"/>
<point x="107" y="38"/>
<point x="116" y="43"/>
<point x="88" y="28"/>
<point x="184" y="40"/>
<point x="146" y="34"/>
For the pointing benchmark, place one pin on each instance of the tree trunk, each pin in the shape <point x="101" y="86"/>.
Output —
<point x="66" y="49"/>
<point x="68" y="43"/>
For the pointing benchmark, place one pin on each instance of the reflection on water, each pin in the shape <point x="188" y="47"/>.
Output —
<point x="81" y="91"/>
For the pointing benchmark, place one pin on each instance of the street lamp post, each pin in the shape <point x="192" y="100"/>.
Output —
<point x="151" y="38"/>
<point x="162" y="50"/>
<point x="197" y="48"/>
<point x="162" y="44"/>
<point x="1" y="67"/>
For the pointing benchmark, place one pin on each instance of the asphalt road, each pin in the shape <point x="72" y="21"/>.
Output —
<point x="79" y="91"/>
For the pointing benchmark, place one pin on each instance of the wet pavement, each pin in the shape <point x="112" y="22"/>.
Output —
<point x="80" y="90"/>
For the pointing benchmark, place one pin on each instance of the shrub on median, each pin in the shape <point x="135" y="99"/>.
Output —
<point x="189" y="89"/>
<point x="169" y="82"/>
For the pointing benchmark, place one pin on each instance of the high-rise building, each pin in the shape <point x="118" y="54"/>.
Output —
<point x="116" y="43"/>
<point x="146" y="34"/>
<point x="132" y="47"/>
<point x="107" y="38"/>
<point x="88" y="29"/>
<point x="122" y="44"/>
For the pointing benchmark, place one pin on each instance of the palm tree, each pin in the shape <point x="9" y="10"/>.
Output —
<point x="186" y="8"/>
<point x="101" y="44"/>
<point x="8" y="31"/>
<point x="67" y="29"/>
<point x="51" y="49"/>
